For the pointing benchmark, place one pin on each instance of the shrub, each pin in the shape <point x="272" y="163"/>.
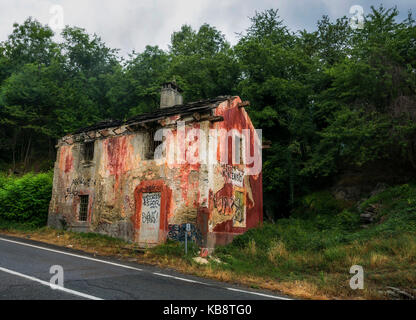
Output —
<point x="26" y="199"/>
<point x="347" y="220"/>
<point x="318" y="203"/>
<point x="3" y="179"/>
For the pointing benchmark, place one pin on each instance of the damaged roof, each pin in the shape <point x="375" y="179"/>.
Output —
<point x="183" y="109"/>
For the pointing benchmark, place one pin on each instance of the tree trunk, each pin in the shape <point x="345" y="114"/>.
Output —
<point x="14" y="143"/>
<point x="29" y="145"/>
<point x="291" y="180"/>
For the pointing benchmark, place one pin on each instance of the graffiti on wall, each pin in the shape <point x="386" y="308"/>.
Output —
<point x="72" y="190"/>
<point x="177" y="233"/>
<point x="233" y="175"/>
<point x="232" y="205"/>
<point x="239" y="217"/>
<point x="151" y="208"/>
<point x="149" y="229"/>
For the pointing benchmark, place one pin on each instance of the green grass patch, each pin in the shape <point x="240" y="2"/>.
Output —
<point x="176" y="249"/>
<point x="323" y="246"/>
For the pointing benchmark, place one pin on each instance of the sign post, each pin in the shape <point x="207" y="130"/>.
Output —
<point x="188" y="228"/>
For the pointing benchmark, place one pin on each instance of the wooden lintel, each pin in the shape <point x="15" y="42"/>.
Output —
<point x="101" y="133"/>
<point x="133" y="127"/>
<point x="205" y="118"/>
<point x="144" y="125"/>
<point x="88" y="134"/>
<point x="215" y="118"/>
<point x="115" y="129"/>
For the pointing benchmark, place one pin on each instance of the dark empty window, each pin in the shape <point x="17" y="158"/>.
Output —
<point x="89" y="151"/>
<point x="153" y="144"/>
<point x="83" y="208"/>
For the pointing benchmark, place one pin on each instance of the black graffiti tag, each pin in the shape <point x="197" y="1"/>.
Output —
<point x="232" y="175"/>
<point x="150" y="217"/>
<point x="151" y="208"/>
<point x="151" y="200"/>
<point x="72" y="191"/>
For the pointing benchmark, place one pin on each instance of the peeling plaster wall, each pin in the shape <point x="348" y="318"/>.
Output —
<point x="119" y="174"/>
<point x="233" y="208"/>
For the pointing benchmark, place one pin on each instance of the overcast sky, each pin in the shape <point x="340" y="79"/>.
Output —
<point x="132" y="24"/>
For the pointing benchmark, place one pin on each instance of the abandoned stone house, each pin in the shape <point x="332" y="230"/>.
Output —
<point x="109" y="179"/>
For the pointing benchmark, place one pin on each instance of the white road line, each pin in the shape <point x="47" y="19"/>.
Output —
<point x="45" y="283"/>
<point x="178" y="278"/>
<point x="259" y="294"/>
<point x="137" y="269"/>
<point x="72" y="254"/>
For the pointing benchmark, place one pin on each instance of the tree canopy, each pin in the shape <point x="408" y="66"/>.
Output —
<point x="328" y="100"/>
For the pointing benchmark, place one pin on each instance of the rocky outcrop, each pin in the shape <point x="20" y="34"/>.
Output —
<point x="370" y="213"/>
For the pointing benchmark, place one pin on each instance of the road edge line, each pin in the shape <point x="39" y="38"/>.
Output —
<point x="72" y="254"/>
<point x="48" y="284"/>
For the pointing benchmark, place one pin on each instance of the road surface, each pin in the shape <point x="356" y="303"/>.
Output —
<point x="25" y="274"/>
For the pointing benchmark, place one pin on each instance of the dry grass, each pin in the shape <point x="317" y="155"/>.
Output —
<point x="378" y="260"/>
<point x="277" y="250"/>
<point x="300" y="289"/>
<point x="251" y="248"/>
<point x="332" y="283"/>
<point x="98" y="245"/>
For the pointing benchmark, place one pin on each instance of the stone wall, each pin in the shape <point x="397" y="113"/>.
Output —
<point x="120" y="174"/>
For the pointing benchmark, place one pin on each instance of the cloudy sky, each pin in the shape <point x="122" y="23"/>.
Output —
<point x="132" y="24"/>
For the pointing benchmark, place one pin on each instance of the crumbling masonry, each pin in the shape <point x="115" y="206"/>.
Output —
<point x="108" y="180"/>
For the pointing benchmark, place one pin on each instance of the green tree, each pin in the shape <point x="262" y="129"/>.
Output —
<point x="144" y="74"/>
<point x="366" y="112"/>
<point x="203" y="63"/>
<point x="276" y="71"/>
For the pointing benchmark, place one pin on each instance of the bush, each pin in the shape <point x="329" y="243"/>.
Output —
<point x="318" y="203"/>
<point x="26" y="199"/>
<point x="328" y="228"/>
<point x="3" y="179"/>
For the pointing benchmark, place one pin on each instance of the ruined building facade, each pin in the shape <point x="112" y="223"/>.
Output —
<point x="143" y="179"/>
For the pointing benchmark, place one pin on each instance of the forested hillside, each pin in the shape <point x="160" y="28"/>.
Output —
<point x="333" y="101"/>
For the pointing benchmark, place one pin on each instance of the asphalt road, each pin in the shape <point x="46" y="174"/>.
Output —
<point x="25" y="274"/>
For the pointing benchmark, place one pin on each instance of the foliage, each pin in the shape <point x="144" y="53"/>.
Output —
<point x="26" y="199"/>
<point x="330" y="225"/>
<point x="322" y="246"/>
<point x="176" y="249"/>
<point x="330" y="100"/>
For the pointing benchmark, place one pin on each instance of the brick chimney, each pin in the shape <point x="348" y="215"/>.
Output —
<point x="170" y="95"/>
